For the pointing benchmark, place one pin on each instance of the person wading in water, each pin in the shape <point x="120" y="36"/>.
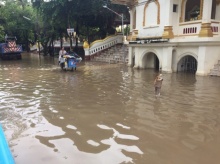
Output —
<point x="157" y="84"/>
<point x="62" y="52"/>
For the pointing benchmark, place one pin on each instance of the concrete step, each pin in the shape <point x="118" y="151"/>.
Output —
<point x="214" y="72"/>
<point x="115" y="54"/>
<point x="217" y="66"/>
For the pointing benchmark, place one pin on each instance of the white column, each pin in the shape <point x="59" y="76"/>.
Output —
<point x="168" y="28"/>
<point x="86" y="51"/>
<point x="131" y="11"/>
<point x="130" y="56"/>
<point x="201" y="61"/>
<point x="136" y="59"/>
<point x="206" y="29"/>
<point x="168" y="6"/>
<point x="207" y="11"/>
<point x="167" y="59"/>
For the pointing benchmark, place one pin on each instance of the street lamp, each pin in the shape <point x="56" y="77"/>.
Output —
<point x="29" y="19"/>
<point x="120" y="15"/>
<point x="122" y="26"/>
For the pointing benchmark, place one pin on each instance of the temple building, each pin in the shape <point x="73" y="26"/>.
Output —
<point x="174" y="35"/>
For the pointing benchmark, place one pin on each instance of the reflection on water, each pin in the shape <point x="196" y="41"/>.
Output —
<point x="107" y="114"/>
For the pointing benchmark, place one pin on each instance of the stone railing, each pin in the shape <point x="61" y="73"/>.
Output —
<point x="189" y="28"/>
<point x="100" y="45"/>
<point x="215" y="25"/>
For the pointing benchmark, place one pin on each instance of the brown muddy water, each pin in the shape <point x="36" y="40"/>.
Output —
<point x="107" y="114"/>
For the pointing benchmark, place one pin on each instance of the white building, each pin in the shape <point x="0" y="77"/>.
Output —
<point x="174" y="35"/>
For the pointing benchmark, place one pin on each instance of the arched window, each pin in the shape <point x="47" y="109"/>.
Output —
<point x="151" y="13"/>
<point x="191" y="10"/>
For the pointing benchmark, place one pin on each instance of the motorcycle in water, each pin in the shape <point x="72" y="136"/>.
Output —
<point x="69" y="61"/>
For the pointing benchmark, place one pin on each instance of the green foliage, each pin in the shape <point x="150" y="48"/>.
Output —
<point x="2" y="34"/>
<point x="88" y="17"/>
<point x="50" y="20"/>
<point x="13" y="22"/>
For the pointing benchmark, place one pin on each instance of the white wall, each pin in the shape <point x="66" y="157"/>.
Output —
<point x="186" y="50"/>
<point x="139" y="16"/>
<point x="211" y="58"/>
<point x="141" y="54"/>
<point x="152" y="28"/>
<point x="131" y="18"/>
<point x="174" y="60"/>
<point x="217" y="14"/>
<point x="206" y="55"/>
<point x="151" y="17"/>
<point x="166" y="9"/>
<point x="167" y="17"/>
<point x="176" y="16"/>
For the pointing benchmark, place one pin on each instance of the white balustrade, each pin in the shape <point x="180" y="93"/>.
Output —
<point x="215" y="27"/>
<point x="189" y="28"/>
<point x="100" y="45"/>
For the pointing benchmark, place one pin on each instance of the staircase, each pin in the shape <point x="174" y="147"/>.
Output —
<point x="216" y="70"/>
<point x="115" y="54"/>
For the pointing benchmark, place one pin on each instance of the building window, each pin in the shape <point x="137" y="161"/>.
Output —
<point x="175" y="8"/>
<point x="151" y="13"/>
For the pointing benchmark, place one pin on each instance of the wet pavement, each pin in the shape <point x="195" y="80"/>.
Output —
<point x="107" y="114"/>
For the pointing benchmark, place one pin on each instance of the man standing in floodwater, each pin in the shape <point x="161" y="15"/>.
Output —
<point x="61" y="53"/>
<point x="157" y="84"/>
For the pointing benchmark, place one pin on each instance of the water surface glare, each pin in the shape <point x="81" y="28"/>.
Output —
<point x="107" y="114"/>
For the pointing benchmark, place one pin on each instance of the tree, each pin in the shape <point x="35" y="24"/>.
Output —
<point x="2" y="34"/>
<point x="90" y="20"/>
<point x="50" y="20"/>
<point x="13" y="22"/>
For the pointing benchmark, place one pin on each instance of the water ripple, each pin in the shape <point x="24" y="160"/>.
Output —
<point x="107" y="113"/>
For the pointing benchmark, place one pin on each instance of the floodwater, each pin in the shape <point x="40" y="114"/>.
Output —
<point x="107" y="114"/>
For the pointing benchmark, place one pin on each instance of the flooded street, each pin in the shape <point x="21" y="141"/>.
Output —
<point x="107" y="114"/>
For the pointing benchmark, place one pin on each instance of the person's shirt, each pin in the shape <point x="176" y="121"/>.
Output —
<point x="62" y="52"/>
<point x="158" y="82"/>
<point x="62" y="59"/>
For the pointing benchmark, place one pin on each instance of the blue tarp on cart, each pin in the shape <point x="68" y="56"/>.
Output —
<point x="71" y="63"/>
<point x="5" y="153"/>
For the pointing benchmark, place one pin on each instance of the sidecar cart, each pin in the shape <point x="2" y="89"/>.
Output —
<point x="68" y="62"/>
